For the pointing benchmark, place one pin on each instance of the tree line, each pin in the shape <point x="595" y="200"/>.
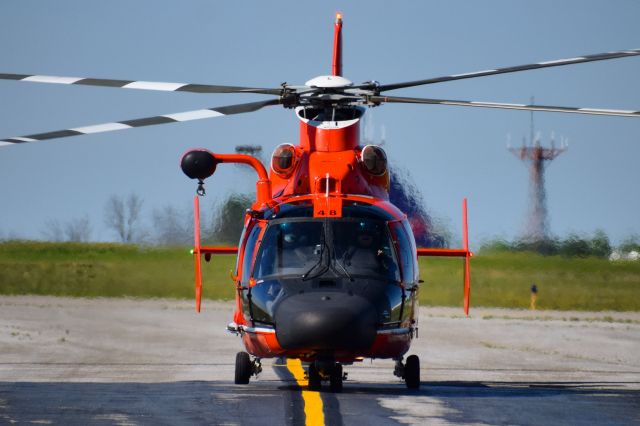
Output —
<point x="222" y="224"/>
<point x="168" y="225"/>
<point x="574" y="245"/>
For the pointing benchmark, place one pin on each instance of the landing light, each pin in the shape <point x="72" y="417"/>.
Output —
<point x="374" y="160"/>
<point x="283" y="160"/>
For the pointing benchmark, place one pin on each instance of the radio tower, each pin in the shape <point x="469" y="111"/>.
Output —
<point x="537" y="226"/>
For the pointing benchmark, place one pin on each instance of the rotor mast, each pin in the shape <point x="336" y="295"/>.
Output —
<point x="329" y="116"/>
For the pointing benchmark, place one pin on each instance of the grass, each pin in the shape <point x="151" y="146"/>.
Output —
<point x="498" y="279"/>
<point x="108" y="270"/>
<point x="505" y="279"/>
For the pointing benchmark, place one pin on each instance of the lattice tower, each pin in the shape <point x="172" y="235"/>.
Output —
<point x="537" y="224"/>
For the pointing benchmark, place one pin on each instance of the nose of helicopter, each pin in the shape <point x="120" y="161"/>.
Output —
<point x="325" y="321"/>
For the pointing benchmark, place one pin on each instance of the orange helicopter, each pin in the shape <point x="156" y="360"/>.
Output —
<point x="327" y="268"/>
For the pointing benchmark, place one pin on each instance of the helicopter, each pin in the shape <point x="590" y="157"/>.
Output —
<point x="327" y="268"/>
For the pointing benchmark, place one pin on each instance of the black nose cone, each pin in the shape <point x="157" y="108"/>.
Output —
<point x="325" y="321"/>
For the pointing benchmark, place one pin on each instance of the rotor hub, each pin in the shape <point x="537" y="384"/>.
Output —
<point x="329" y="82"/>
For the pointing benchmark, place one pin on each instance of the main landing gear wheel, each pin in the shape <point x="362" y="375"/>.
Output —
<point x="412" y="372"/>
<point x="243" y="368"/>
<point x="335" y="378"/>
<point x="315" y="381"/>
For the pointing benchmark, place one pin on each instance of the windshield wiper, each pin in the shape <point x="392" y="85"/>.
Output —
<point x="343" y="268"/>
<point x="306" y="276"/>
<point x="341" y="265"/>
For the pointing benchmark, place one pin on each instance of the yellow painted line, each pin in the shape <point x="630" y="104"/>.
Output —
<point x="314" y="416"/>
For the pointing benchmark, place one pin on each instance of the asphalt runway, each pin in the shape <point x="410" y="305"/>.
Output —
<point x="127" y="362"/>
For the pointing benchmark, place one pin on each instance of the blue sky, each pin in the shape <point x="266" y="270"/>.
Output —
<point x="451" y="152"/>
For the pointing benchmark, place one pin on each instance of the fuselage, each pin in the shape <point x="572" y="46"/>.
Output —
<point x="328" y="268"/>
<point x="338" y="287"/>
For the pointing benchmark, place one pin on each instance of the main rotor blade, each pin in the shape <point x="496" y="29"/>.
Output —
<point x="592" y="111"/>
<point x="546" y="64"/>
<point x="141" y="122"/>
<point x="144" y="85"/>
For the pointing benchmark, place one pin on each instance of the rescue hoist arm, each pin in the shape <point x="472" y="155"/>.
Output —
<point x="200" y="164"/>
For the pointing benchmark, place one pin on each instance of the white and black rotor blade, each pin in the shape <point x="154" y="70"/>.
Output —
<point x="142" y="122"/>
<point x="546" y="64"/>
<point x="498" y="105"/>
<point x="141" y="85"/>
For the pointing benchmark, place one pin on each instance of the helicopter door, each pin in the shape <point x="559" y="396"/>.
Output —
<point x="406" y="252"/>
<point x="246" y="263"/>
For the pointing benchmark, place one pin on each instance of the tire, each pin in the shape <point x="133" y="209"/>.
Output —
<point x="412" y="372"/>
<point x="335" y="378"/>
<point x="314" y="377"/>
<point x="243" y="368"/>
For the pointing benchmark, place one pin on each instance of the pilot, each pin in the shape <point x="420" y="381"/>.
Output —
<point x="296" y="252"/>
<point x="369" y="256"/>
<point x="363" y="255"/>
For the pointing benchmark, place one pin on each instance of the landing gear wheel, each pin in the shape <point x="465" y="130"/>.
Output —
<point x="335" y="378"/>
<point x="412" y="372"/>
<point x="315" y="381"/>
<point x="244" y="368"/>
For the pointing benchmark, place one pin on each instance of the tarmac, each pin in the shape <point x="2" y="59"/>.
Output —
<point x="129" y="362"/>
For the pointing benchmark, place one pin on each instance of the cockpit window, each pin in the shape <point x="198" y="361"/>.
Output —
<point x="363" y="248"/>
<point x="289" y="248"/>
<point x="248" y="253"/>
<point x="406" y="252"/>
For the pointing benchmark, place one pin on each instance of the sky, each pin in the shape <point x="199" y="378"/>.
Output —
<point x="451" y="152"/>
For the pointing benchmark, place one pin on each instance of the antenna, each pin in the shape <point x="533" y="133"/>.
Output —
<point x="538" y="138"/>
<point x="336" y="67"/>
<point x="533" y="100"/>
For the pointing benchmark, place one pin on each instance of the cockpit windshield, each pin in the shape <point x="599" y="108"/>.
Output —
<point x="289" y="248"/>
<point x="363" y="247"/>
<point x="308" y="247"/>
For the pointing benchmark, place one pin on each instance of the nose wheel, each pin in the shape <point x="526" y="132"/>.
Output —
<point x="245" y="368"/>
<point x="315" y="381"/>
<point x="318" y="372"/>
<point x="335" y="378"/>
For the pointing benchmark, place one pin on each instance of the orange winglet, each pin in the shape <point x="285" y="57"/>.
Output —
<point x="199" y="250"/>
<point x="196" y="251"/>
<point x="463" y="252"/>
<point x="467" y="271"/>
